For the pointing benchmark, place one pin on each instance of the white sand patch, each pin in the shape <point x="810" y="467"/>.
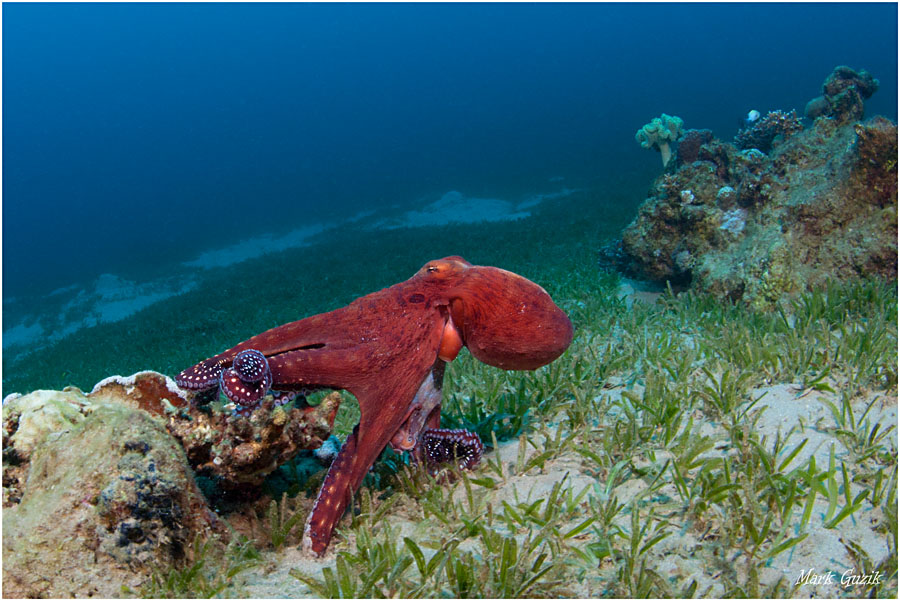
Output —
<point x="267" y="244"/>
<point x="257" y="247"/>
<point x="788" y="411"/>
<point x="455" y="207"/>
<point x="115" y="298"/>
<point x="638" y="291"/>
<point x="111" y="298"/>
<point x="536" y="199"/>
<point x="64" y="290"/>
<point x="804" y="414"/>
<point x="452" y="207"/>
<point x="108" y="299"/>
<point x="22" y="334"/>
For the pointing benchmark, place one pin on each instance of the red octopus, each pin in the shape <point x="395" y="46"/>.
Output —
<point x="389" y="350"/>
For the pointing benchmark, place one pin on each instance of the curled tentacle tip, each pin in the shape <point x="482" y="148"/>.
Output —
<point x="283" y="398"/>
<point x="241" y="392"/>
<point x="202" y="376"/>
<point x="446" y="446"/>
<point x="251" y="365"/>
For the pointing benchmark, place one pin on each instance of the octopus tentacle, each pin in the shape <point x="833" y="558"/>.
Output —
<point x="333" y="498"/>
<point x="442" y="447"/>
<point x="248" y="381"/>
<point x="381" y="348"/>
<point x="243" y="393"/>
<point x="203" y="376"/>
<point x="344" y="477"/>
<point x="251" y="365"/>
<point x="384" y="414"/>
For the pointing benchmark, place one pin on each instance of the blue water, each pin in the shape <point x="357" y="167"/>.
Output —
<point x="139" y="134"/>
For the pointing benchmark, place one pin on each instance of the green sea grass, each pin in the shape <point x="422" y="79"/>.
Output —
<point x="647" y="434"/>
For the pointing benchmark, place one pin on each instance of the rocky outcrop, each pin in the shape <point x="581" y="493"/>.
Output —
<point x="782" y="210"/>
<point x="97" y="494"/>
<point x="240" y="452"/>
<point x="753" y="226"/>
<point x="843" y="95"/>
<point x="98" y="488"/>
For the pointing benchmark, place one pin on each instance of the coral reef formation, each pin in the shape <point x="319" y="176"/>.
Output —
<point x="97" y="489"/>
<point x="147" y="390"/>
<point x="237" y="449"/>
<point x="690" y="143"/>
<point x="843" y="95"/>
<point x="754" y="225"/>
<point x="659" y="135"/>
<point x="239" y="452"/>
<point x="94" y="494"/>
<point x="762" y="133"/>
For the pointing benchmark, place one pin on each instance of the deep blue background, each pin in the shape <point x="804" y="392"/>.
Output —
<point x="134" y="134"/>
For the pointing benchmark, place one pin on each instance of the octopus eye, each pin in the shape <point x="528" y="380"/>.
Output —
<point x="432" y="269"/>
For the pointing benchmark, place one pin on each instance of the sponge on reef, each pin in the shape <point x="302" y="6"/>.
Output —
<point x="659" y="134"/>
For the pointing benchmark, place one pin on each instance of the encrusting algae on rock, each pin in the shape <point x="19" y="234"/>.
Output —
<point x="97" y="490"/>
<point x="781" y="212"/>
<point x="241" y="452"/>
<point x="101" y="498"/>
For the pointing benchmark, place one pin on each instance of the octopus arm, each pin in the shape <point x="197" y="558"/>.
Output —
<point x="325" y="331"/>
<point x="306" y="345"/>
<point x="384" y="401"/>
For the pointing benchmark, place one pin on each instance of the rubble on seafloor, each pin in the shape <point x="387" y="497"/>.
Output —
<point x="754" y="224"/>
<point x="100" y="488"/>
<point x="240" y="452"/>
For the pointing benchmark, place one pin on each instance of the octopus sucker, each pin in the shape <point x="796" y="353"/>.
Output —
<point x="445" y="447"/>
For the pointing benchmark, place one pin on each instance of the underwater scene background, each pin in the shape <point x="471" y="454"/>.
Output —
<point x="708" y="191"/>
<point x="139" y="137"/>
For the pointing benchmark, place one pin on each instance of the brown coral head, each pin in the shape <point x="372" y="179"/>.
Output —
<point x="817" y="107"/>
<point x="690" y="143"/>
<point x="763" y="134"/>
<point x="843" y="78"/>
<point x="153" y="392"/>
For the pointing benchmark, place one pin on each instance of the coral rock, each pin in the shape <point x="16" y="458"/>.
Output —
<point x="241" y="451"/>
<point x="822" y="205"/>
<point x="817" y="107"/>
<point x="690" y="143"/>
<point x="876" y="143"/>
<point x="763" y="133"/>
<point x="29" y="420"/>
<point x="843" y="95"/>
<point x="147" y="390"/>
<point x="97" y="489"/>
<point x="104" y="496"/>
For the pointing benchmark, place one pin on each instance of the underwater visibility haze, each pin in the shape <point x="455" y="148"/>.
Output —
<point x="627" y="316"/>
<point x="139" y="135"/>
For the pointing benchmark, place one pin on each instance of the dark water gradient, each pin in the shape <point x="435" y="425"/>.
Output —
<point x="137" y="134"/>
